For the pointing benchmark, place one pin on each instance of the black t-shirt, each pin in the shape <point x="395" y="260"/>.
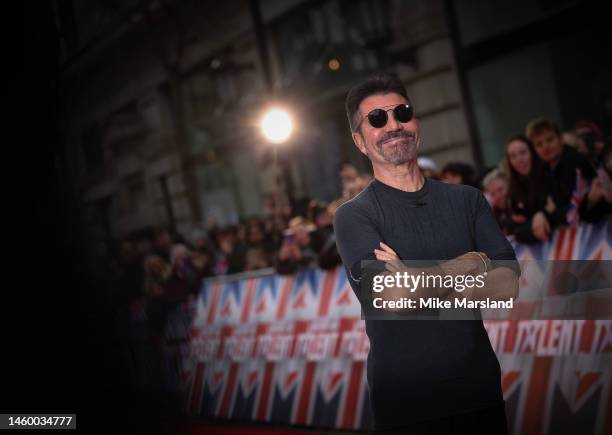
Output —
<point x="423" y="369"/>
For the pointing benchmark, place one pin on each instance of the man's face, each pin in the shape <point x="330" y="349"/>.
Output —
<point x="548" y="145"/>
<point x="395" y="143"/>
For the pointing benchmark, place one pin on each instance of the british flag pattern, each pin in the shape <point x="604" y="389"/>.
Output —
<point x="293" y="350"/>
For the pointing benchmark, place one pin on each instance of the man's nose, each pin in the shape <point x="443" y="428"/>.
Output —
<point x="392" y="123"/>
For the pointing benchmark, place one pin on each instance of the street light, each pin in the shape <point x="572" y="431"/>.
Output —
<point x="276" y="125"/>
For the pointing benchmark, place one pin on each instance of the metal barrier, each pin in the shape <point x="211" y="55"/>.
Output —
<point x="292" y="349"/>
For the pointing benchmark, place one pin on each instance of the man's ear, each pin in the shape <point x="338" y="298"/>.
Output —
<point x="359" y="142"/>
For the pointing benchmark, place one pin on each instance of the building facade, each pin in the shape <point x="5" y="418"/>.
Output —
<point x="161" y="99"/>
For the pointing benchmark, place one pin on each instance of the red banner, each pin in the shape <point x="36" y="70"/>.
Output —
<point x="292" y="349"/>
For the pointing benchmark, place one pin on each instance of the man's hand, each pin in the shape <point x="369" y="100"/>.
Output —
<point x="386" y="253"/>
<point x="470" y="263"/>
<point x="394" y="264"/>
<point x="501" y="283"/>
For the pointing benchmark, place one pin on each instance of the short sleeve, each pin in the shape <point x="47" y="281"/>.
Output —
<point x="489" y="237"/>
<point x="356" y="239"/>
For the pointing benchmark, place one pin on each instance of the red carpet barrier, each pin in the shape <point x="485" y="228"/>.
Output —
<point x="292" y="349"/>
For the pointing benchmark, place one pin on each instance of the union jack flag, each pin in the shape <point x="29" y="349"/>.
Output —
<point x="293" y="350"/>
<point x="581" y="189"/>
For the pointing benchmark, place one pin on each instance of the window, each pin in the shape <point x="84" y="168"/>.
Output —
<point x="507" y="93"/>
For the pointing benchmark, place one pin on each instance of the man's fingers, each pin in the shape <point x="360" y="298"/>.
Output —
<point x="388" y="249"/>
<point x="382" y="255"/>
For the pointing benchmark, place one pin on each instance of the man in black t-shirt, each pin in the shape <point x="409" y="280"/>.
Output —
<point x="424" y="376"/>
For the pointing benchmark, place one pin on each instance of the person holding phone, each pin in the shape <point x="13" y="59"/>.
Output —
<point x="296" y="251"/>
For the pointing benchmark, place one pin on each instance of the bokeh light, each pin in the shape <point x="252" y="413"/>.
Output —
<point x="277" y="125"/>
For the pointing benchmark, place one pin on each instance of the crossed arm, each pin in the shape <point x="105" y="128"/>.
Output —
<point x="499" y="283"/>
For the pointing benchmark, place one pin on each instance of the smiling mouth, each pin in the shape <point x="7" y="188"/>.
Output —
<point x="395" y="139"/>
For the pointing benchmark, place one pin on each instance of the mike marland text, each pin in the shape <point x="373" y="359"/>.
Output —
<point x="437" y="303"/>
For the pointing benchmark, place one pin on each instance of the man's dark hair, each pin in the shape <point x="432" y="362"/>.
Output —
<point x="376" y="85"/>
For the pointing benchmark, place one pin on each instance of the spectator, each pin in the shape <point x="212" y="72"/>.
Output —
<point x="600" y="194"/>
<point x="606" y="158"/>
<point x="162" y="243"/>
<point x="333" y="206"/>
<point x="231" y="255"/>
<point x="495" y="187"/>
<point x="157" y="273"/>
<point x="273" y="227"/>
<point x="256" y="254"/>
<point x="590" y="134"/>
<point x="348" y="174"/>
<point x="480" y="176"/>
<point x="323" y="238"/>
<point x="352" y="181"/>
<point x="276" y="205"/>
<point x="458" y="173"/>
<point x="212" y="230"/>
<point x="571" y="138"/>
<point x="534" y="211"/>
<point x="571" y="171"/>
<point x="353" y="188"/>
<point x="184" y="280"/>
<point x="202" y="257"/>
<point x="296" y="251"/>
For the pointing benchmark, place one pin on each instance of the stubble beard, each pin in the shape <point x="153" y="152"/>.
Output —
<point x="401" y="151"/>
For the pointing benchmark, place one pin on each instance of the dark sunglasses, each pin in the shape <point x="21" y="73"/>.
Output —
<point x="378" y="117"/>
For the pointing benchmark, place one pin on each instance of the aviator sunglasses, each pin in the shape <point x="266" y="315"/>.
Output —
<point x="378" y="117"/>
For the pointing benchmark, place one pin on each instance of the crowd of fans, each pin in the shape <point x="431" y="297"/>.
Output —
<point x="547" y="178"/>
<point x="164" y="268"/>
